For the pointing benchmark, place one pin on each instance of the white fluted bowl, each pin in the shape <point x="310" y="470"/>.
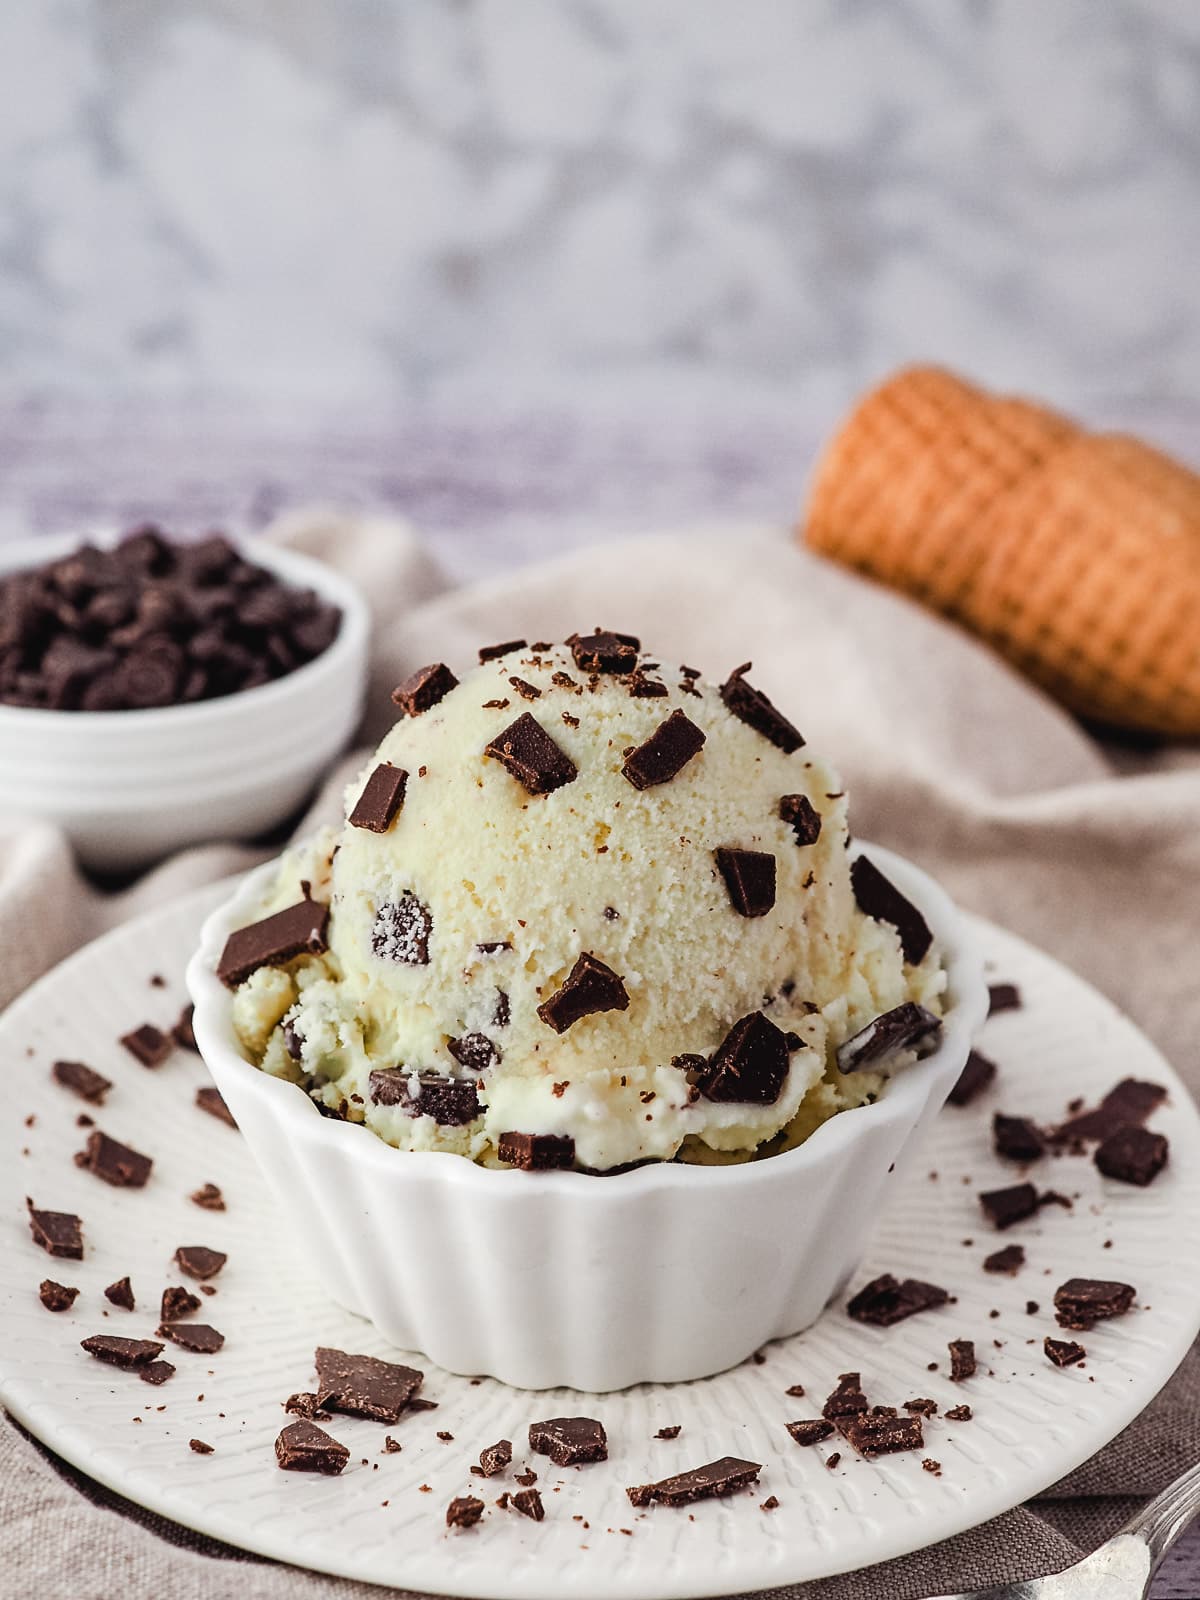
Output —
<point x="543" y="1279"/>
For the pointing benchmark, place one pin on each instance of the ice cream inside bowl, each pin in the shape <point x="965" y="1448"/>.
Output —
<point x="587" y="910"/>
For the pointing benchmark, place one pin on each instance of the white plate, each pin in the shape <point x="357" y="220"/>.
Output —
<point x="1032" y="1423"/>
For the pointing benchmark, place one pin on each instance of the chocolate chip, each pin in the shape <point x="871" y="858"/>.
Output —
<point x="211" y="1100"/>
<point x="195" y="1336"/>
<point x="424" y="689"/>
<point x="490" y="652"/>
<point x="847" y="1400"/>
<point x="59" y="1233"/>
<point x="530" y="755"/>
<point x="750" y="1065"/>
<point x="798" y="811"/>
<point x="962" y="1360"/>
<point x="529" y="1503"/>
<point x="177" y="1302"/>
<point x="56" y="1296"/>
<point x="905" y="1027"/>
<point x="402" y="930"/>
<point x="1016" y="1138"/>
<point x="156" y="1372"/>
<point x="465" y="1511"/>
<point x="879" y="1434"/>
<point x="878" y="897"/>
<point x="199" y="1447"/>
<point x="1128" y="1102"/>
<point x="183" y="1032"/>
<point x="972" y="1080"/>
<point x="451" y="1102"/>
<point x="1003" y="1207"/>
<point x="1132" y="1155"/>
<point x="493" y="1458"/>
<point x="568" y="1440"/>
<point x="701" y="1483"/>
<point x="364" y="1386"/>
<point x="605" y="652"/>
<point x="810" y="1432"/>
<point x="752" y="707"/>
<point x="120" y="1294"/>
<point x="590" y="987"/>
<point x="959" y="1414"/>
<point x="885" y="1300"/>
<point x="536" y="1152"/>
<point x="749" y="878"/>
<point x="1081" y="1302"/>
<point x="1010" y="1260"/>
<point x="198" y="1261"/>
<point x="298" y="930"/>
<point x="303" y="1447"/>
<point x="1003" y="997"/>
<point x="126" y="1353"/>
<point x="1062" y="1352"/>
<point x="381" y="798"/>
<point x="81" y="1080"/>
<point x="208" y="1197"/>
<point x="665" y="753"/>
<point x="113" y="1162"/>
<point x="526" y="690"/>
<point x="475" y="1051"/>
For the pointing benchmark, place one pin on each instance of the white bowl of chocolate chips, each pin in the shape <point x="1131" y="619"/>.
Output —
<point x="155" y="694"/>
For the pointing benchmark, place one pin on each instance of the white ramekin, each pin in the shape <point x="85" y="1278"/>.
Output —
<point x="660" y="1274"/>
<point x="128" y="787"/>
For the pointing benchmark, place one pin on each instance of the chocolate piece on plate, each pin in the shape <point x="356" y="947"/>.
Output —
<point x="904" y="1027"/>
<point x="749" y="878"/>
<point x="567" y="1440"/>
<point x="529" y="1503"/>
<point x="1010" y="1260"/>
<point x="750" y="1065"/>
<point x="120" y="1294"/>
<point x="148" y="1044"/>
<point x="672" y="1431"/>
<point x="810" y="1432"/>
<point x="1016" y="1138"/>
<point x="882" y="1432"/>
<point x="183" y="1033"/>
<point x="885" y="1300"/>
<point x="493" y="1458"/>
<point x="199" y="1447"/>
<point x="959" y="1414"/>
<point x="751" y="706"/>
<point x="605" y="652"/>
<point x="878" y="897"/>
<point x="451" y="1102"/>
<point x="177" y="1302"/>
<point x="198" y="1261"/>
<point x="590" y="987"/>
<point x="921" y="1406"/>
<point x="208" y="1197"/>
<point x="424" y="689"/>
<point x="196" y="1336"/>
<point x="536" y="1152"/>
<point x="798" y="811"/>
<point x="305" y="1405"/>
<point x="210" y="1099"/>
<point x="60" y="1233"/>
<point x="701" y="1483"/>
<point x="81" y="1080"/>
<point x="364" y="1386"/>
<point x="381" y="798"/>
<point x="464" y="1512"/>
<point x="1081" y="1302"/>
<point x="56" y="1296"/>
<point x="847" y="1399"/>
<point x="962" y="1360"/>
<point x="530" y="755"/>
<point x="1003" y="1207"/>
<point x="1062" y="1352"/>
<point x="115" y="1163"/>
<point x="127" y="1353"/>
<point x="1003" y="997"/>
<point x="973" y="1079"/>
<point x="1132" y="1155"/>
<point x="491" y="652"/>
<point x="273" y="941"/>
<point x="402" y="930"/>
<point x="665" y="753"/>
<point x="156" y="1372"/>
<point x="303" y="1447"/>
<point x="1128" y="1102"/>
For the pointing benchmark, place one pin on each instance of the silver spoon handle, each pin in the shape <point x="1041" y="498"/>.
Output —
<point x="1161" y="1522"/>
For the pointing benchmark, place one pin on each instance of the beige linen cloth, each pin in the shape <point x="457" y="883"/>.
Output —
<point x="948" y="757"/>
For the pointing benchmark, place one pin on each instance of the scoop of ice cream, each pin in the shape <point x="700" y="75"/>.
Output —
<point x="586" y="909"/>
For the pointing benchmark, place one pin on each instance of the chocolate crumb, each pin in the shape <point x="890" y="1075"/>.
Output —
<point x="526" y="690"/>
<point x="1003" y="1207"/>
<point x="671" y="1432"/>
<point x="930" y="1465"/>
<point x="198" y="1337"/>
<point x="464" y="1512"/>
<point x="1003" y="997"/>
<point x="208" y="1197"/>
<point x="156" y="1372"/>
<point x="1016" y="1138"/>
<point x="56" y="1296"/>
<point x="177" y="1302"/>
<point x="530" y="755"/>
<point x="1010" y="1260"/>
<point x="273" y="941"/>
<point x="922" y="1406"/>
<point x="391" y="1447"/>
<point x="494" y="1458"/>
<point x="199" y="1446"/>
<point x="529" y="1503"/>
<point x="833" y="1460"/>
<point x="959" y="1414"/>
<point x="198" y="1261"/>
<point x="813" y="1431"/>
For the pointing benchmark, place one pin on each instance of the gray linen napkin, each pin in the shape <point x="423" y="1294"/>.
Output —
<point x="948" y="756"/>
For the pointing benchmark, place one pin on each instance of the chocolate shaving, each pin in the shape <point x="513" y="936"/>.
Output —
<point x="1081" y="1302"/>
<point x="701" y="1483"/>
<point x="885" y="1300"/>
<point x="568" y="1440"/>
<point x="1132" y="1155"/>
<point x="81" y="1080"/>
<point x="424" y="689"/>
<point x="148" y="1044"/>
<point x="381" y="798"/>
<point x="752" y="707"/>
<point x="905" y="1027"/>
<point x="590" y="987"/>
<point x="749" y="878"/>
<point x="363" y="1386"/>
<point x="643" y="688"/>
<point x="798" y="811"/>
<point x="878" y="897"/>
<point x="972" y="1080"/>
<point x="113" y="1162"/>
<point x="665" y="753"/>
<point x="536" y="1152"/>
<point x="273" y="941"/>
<point x="125" y="1353"/>
<point x="59" y="1233"/>
<point x="530" y="755"/>
<point x="303" y="1447"/>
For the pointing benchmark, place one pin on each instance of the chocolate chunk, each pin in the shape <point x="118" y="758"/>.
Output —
<point x="183" y="1032"/>
<point x="120" y="1294"/>
<point x="1130" y="1102"/>
<point x="208" y="1197"/>
<point x="1081" y="1302"/>
<point x="959" y="1414"/>
<point x="1062" y="1352"/>
<point x="402" y="930"/>
<point x="60" y="1233"/>
<point x="148" y="1044"/>
<point x="364" y="1386"/>
<point x="198" y="1261"/>
<point x="56" y="1296"/>
<point x="876" y="1433"/>
<point x="81" y="1080"/>
<point x="303" y="1447"/>
<point x="536" y="1152"/>
<point x="465" y="1511"/>
<point x="530" y="755"/>
<point x="199" y="1447"/>
<point x="126" y="1353"/>
<point x="1016" y="1138"/>
<point x="643" y="688"/>
<point x="751" y="706"/>
<point x="885" y="1300"/>
<point x="701" y="1483"/>
<point x="526" y="690"/>
<point x="529" y="1503"/>
<point x="605" y="652"/>
<point x="502" y="1013"/>
<point x="195" y="1336"/>
<point x="922" y="1407"/>
<point x="156" y="1372"/>
<point x="490" y="652"/>
<point x="671" y="1432"/>
<point x="475" y="1051"/>
<point x="847" y="1400"/>
<point x="798" y="811"/>
<point x="665" y="753"/>
<point x="567" y="1440"/>
<point x="391" y="1447"/>
<point x="1003" y="997"/>
<point x="590" y="987"/>
<point x="493" y="1458"/>
<point x="878" y="897"/>
<point x="962" y="1360"/>
<point x="381" y="798"/>
<point x="451" y="1102"/>
<point x="298" y="930"/>
<point x="905" y="1027"/>
<point x="810" y="1432"/>
<point x="1132" y="1155"/>
<point x="749" y="877"/>
<point x="1003" y="1207"/>
<point x="211" y="1100"/>
<point x="750" y="1065"/>
<point x="1010" y="1260"/>
<point x="305" y="1405"/>
<point x="493" y="947"/>
<point x="424" y="689"/>
<point x="972" y="1080"/>
<point x="177" y="1302"/>
<point x="114" y="1163"/>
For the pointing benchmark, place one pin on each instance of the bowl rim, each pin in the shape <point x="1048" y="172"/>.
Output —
<point x="293" y="565"/>
<point x="297" y="1117"/>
